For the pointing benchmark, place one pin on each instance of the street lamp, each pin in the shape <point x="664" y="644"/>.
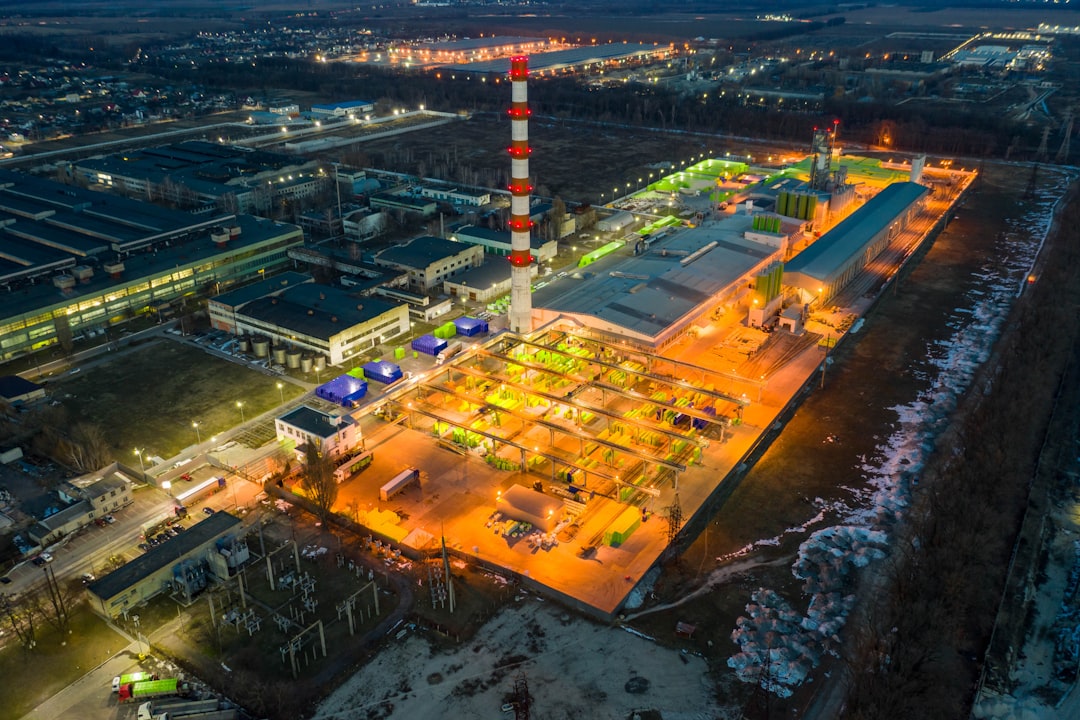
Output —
<point x="167" y="487"/>
<point x="198" y="435"/>
<point x="281" y="391"/>
<point x="142" y="468"/>
<point x="241" y="406"/>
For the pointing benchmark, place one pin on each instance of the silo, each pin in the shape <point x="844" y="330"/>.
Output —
<point x="292" y="359"/>
<point x="245" y="344"/>
<point x="781" y="203"/>
<point x="320" y="363"/>
<point x="811" y="207"/>
<point x="260" y="346"/>
<point x="804" y="202"/>
<point x="279" y="354"/>
<point x="305" y="364"/>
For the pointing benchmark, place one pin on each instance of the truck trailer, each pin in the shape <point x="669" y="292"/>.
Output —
<point x="148" y="689"/>
<point x="448" y="352"/>
<point x="130" y="678"/>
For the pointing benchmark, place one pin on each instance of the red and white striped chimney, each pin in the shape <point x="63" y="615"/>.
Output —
<point x="520" y="247"/>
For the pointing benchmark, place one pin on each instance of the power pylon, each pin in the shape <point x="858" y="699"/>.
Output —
<point x="674" y="518"/>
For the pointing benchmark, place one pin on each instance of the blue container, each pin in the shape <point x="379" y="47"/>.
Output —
<point x="429" y="344"/>
<point x="469" y="327"/>
<point x="382" y="371"/>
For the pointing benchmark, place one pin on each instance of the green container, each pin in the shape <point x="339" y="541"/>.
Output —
<point x="804" y="203"/>
<point x="399" y="353"/>
<point x="811" y="207"/>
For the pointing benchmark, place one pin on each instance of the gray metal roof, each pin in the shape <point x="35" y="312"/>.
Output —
<point x="647" y="294"/>
<point x="164" y="555"/>
<point x="493" y="271"/>
<point x="834" y="250"/>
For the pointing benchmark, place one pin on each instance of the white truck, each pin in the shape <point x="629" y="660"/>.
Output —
<point x="448" y="352"/>
<point x="146" y="712"/>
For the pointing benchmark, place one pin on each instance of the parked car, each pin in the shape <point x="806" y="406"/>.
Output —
<point x="208" y="511"/>
<point x="88" y="578"/>
<point x="46" y="557"/>
<point x="144" y="547"/>
<point x="110" y="519"/>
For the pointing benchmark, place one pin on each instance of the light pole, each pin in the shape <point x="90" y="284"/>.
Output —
<point x="167" y="487"/>
<point x="142" y="468"/>
<point x="241" y="406"/>
<point x="198" y="435"/>
<point x="281" y="392"/>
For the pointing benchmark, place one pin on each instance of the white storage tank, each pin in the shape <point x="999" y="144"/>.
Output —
<point x="292" y="359"/>
<point x="320" y="363"/>
<point x="305" y="364"/>
<point x="279" y="355"/>
<point x="261" y="347"/>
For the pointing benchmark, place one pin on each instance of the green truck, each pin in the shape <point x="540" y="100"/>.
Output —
<point x="148" y="689"/>
<point x="130" y="678"/>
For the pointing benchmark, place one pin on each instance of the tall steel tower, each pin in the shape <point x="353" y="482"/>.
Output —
<point x="520" y="253"/>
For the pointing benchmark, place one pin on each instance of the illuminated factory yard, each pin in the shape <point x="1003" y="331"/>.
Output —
<point x="572" y="455"/>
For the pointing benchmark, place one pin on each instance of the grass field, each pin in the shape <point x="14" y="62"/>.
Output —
<point x="31" y="677"/>
<point x="149" y="397"/>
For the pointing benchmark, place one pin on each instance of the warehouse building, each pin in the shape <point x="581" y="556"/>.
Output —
<point x="351" y="110"/>
<point x="431" y="260"/>
<point x="823" y="269"/>
<point x="651" y="295"/>
<point x="484" y="283"/>
<point x="181" y="565"/>
<point x="199" y="173"/>
<point x="223" y="308"/>
<point x="77" y="261"/>
<point x="497" y="242"/>
<point x="322" y="320"/>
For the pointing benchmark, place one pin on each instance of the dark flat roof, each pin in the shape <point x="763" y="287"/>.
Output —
<point x="13" y="386"/>
<point x="164" y="555"/>
<point x="239" y="296"/>
<point x="138" y="266"/>
<point x="422" y="251"/>
<point x="316" y="422"/>
<point x="317" y="311"/>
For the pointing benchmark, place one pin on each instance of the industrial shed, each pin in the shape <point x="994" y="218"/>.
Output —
<point x="825" y="267"/>
<point x="152" y="572"/>
<point x="521" y="503"/>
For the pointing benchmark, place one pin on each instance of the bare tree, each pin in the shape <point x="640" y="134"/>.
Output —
<point x="317" y="479"/>
<point x="86" y="448"/>
<point x="21" y="614"/>
<point x="63" y="333"/>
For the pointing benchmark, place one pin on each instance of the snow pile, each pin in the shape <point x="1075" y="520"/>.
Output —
<point x="775" y="651"/>
<point x="775" y="641"/>
<point x="778" y="646"/>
